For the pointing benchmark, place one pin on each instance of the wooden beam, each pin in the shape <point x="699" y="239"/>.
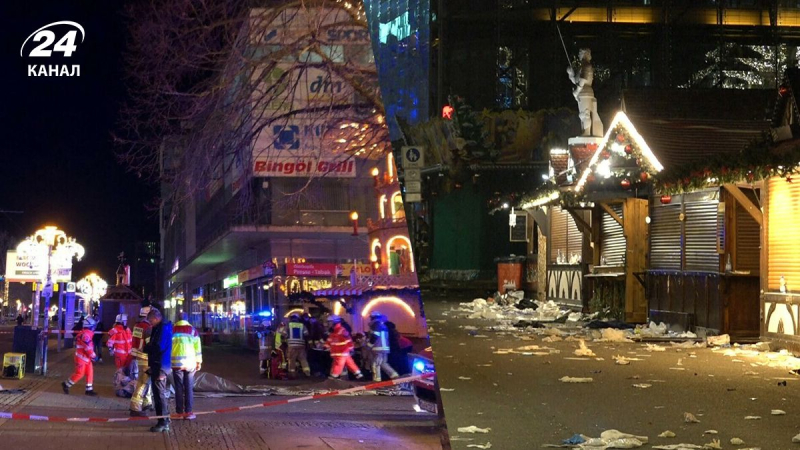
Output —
<point x="745" y="201"/>
<point x="612" y="213"/>
<point x="580" y="223"/>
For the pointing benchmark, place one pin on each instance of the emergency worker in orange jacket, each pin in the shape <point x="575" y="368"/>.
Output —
<point x="142" y="398"/>
<point x="120" y="341"/>
<point x="341" y="346"/>
<point x="84" y="357"/>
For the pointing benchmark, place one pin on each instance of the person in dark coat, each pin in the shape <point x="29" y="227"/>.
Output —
<point x="20" y="320"/>
<point x="159" y="358"/>
<point x="98" y="338"/>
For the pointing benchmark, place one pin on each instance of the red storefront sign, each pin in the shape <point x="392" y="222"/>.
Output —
<point x="312" y="270"/>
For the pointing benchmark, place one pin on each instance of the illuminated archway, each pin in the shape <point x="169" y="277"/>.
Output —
<point x="382" y="206"/>
<point x="397" y="200"/>
<point x="405" y="240"/>
<point x="391" y="300"/>
<point x="376" y="243"/>
<point x="293" y="311"/>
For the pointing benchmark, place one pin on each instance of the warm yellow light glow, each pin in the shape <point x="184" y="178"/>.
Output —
<point x="375" y="171"/>
<point x="394" y="203"/>
<point x="293" y="311"/>
<point x="373" y="258"/>
<point x="540" y="202"/>
<point x="619" y="119"/>
<point x="337" y="308"/>
<point x="390" y="300"/>
<point x="375" y="244"/>
<point x="354" y="215"/>
<point x="390" y="164"/>
<point x="405" y="239"/>
<point x="382" y="206"/>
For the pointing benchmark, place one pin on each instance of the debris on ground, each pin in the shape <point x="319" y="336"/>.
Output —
<point x="655" y="348"/>
<point x="719" y="341"/>
<point x="642" y="385"/>
<point x="752" y="418"/>
<point x="714" y="444"/>
<point x="576" y="439"/>
<point x="667" y="434"/>
<point x="737" y="441"/>
<point x="583" y="350"/>
<point x="566" y="379"/>
<point x="614" y="439"/>
<point x="613" y="335"/>
<point x="677" y="447"/>
<point x="473" y="429"/>
<point x="711" y="432"/>
<point x="621" y="360"/>
<point x="778" y="412"/>
<point x="486" y="445"/>
<point x="690" y="418"/>
<point x="796" y="439"/>
<point x="615" y="324"/>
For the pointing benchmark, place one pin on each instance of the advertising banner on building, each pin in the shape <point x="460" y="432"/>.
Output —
<point x="303" y="166"/>
<point x="312" y="269"/>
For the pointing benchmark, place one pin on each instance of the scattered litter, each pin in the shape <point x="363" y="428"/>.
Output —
<point x="715" y="444"/>
<point x="621" y="360"/>
<point x="575" y="380"/>
<point x="613" y="335"/>
<point x="796" y="439"/>
<point x="552" y="339"/>
<point x="711" y="432"/>
<point x="576" y="439"/>
<point x="418" y="409"/>
<point x="464" y="378"/>
<point x="583" y="350"/>
<point x="690" y="418"/>
<point x="737" y="441"/>
<point x="655" y="348"/>
<point x="752" y="418"/>
<point x="677" y="447"/>
<point x="473" y="429"/>
<point x="446" y="389"/>
<point x="778" y="412"/>
<point x="718" y="341"/>
<point x="616" y="434"/>
<point x="667" y="434"/>
<point x="486" y="445"/>
<point x="642" y="385"/>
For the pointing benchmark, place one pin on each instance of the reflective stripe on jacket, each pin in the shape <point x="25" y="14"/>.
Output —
<point x="119" y="341"/>
<point x="140" y="338"/>
<point x="84" y="347"/>
<point x="379" y="341"/>
<point x="297" y="334"/>
<point x="186" y="349"/>
<point x="339" y="341"/>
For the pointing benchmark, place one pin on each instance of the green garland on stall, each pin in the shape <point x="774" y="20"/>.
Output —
<point x="758" y="161"/>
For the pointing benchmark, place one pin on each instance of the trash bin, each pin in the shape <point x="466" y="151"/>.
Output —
<point x="14" y="365"/>
<point x="509" y="272"/>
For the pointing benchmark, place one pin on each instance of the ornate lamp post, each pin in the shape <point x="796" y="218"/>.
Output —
<point x="54" y="245"/>
<point x="91" y="288"/>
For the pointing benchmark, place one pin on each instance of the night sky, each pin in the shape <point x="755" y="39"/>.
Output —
<point x="57" y="162"/>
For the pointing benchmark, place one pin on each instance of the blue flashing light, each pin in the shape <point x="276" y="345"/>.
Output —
<point x="265" y="313"/>
<point x="419" y="365"/>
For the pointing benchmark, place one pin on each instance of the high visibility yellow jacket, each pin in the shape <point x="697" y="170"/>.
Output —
<point x="186" y="348"/>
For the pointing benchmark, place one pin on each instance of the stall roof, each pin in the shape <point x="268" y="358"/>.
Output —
<point x="121" y="293"/>
<point x="355" y="291"/>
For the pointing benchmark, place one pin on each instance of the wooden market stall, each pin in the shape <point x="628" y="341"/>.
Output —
<point x="780" y="258"/>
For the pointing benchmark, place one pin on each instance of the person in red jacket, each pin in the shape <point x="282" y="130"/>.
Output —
<point x="84" y="357"/>
<point x="119" y="342"/>
<point x="341" y="347"/>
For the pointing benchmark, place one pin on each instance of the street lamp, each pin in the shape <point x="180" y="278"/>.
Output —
<point x="354" y="218"/>
<point x="91" y="287"/>
<point x="53" y="244"/>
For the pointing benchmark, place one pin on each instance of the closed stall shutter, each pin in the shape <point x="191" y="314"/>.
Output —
<point x="613" y="238"/>
<point x="748" y="241"/>
<point x="558" y="232"/>
<point x="782" y="229"/>
<point x="564" y="234"/>
<point x="701" y="237"/>
<point x="665" y="237"/>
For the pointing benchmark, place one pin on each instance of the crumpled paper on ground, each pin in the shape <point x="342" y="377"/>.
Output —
<point x="566" y="379"/>
<point x="473" y="429"/>
<point x="716" y="341"/>
<point x="613" y="335"/>
<point x="614" y="439"/>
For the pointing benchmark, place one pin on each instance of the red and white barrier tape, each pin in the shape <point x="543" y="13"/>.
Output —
<point x="367" y="387"/>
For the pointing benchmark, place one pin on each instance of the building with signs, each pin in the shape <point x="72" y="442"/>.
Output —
<point x="235" y="251"/>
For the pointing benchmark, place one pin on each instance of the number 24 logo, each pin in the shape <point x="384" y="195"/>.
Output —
<point x="46" y="37"/>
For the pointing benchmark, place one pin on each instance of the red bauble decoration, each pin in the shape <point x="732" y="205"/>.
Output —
<point x="628" y="149"/>
<point x="644" y="176"/>
<point x="605" y="154"/>
<point x="783" y="90"/>
<point x="626" y="183"/>
<point x="666" y="199"/>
